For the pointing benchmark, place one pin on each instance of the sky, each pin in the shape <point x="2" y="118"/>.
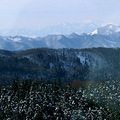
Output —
<point x="42" y="13"/>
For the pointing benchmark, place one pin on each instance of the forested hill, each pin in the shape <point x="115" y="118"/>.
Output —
<point x="60" y="64"/>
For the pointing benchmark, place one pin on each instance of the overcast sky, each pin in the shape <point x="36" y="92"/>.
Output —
<point x="40" y="13"/>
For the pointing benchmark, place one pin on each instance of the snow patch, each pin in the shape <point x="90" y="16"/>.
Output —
<point x="51" y="65"/>
<point x="82" y="58"/>
<point x="16" y="39"/>
<point x="94" y="32"/>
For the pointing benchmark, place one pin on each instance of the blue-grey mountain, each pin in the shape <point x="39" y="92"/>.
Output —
<point x="107" y="36"/>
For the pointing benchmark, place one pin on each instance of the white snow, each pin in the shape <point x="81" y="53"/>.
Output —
<point x="106" y="30"/>
<point x="82" y="58"/>
<point x="16" y="39"/>
<point x="94" y="32"/>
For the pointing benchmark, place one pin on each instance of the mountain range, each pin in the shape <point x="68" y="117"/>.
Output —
<point x="107" y="36"/>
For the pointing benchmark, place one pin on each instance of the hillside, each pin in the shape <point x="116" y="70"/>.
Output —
<point x="60" y="64"/>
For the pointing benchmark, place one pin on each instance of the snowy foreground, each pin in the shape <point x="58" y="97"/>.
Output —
<point x="41" y="100"/>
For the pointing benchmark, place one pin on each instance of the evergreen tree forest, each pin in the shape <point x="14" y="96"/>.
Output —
<point x="40" y="100"/>
<point x="60" y="84"/>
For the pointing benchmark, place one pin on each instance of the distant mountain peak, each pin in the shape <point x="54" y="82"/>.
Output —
<point x="106" y="30"/>
<point x="56" y="37"/>
<point x="72" y="35"/>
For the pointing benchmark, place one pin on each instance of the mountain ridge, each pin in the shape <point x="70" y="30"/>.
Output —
<point x="107" y="36"/>
<point x="90" y="64"/>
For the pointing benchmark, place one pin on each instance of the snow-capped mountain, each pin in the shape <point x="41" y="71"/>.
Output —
<point x="107" y="36"/>
<point x="106" y="30"/>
